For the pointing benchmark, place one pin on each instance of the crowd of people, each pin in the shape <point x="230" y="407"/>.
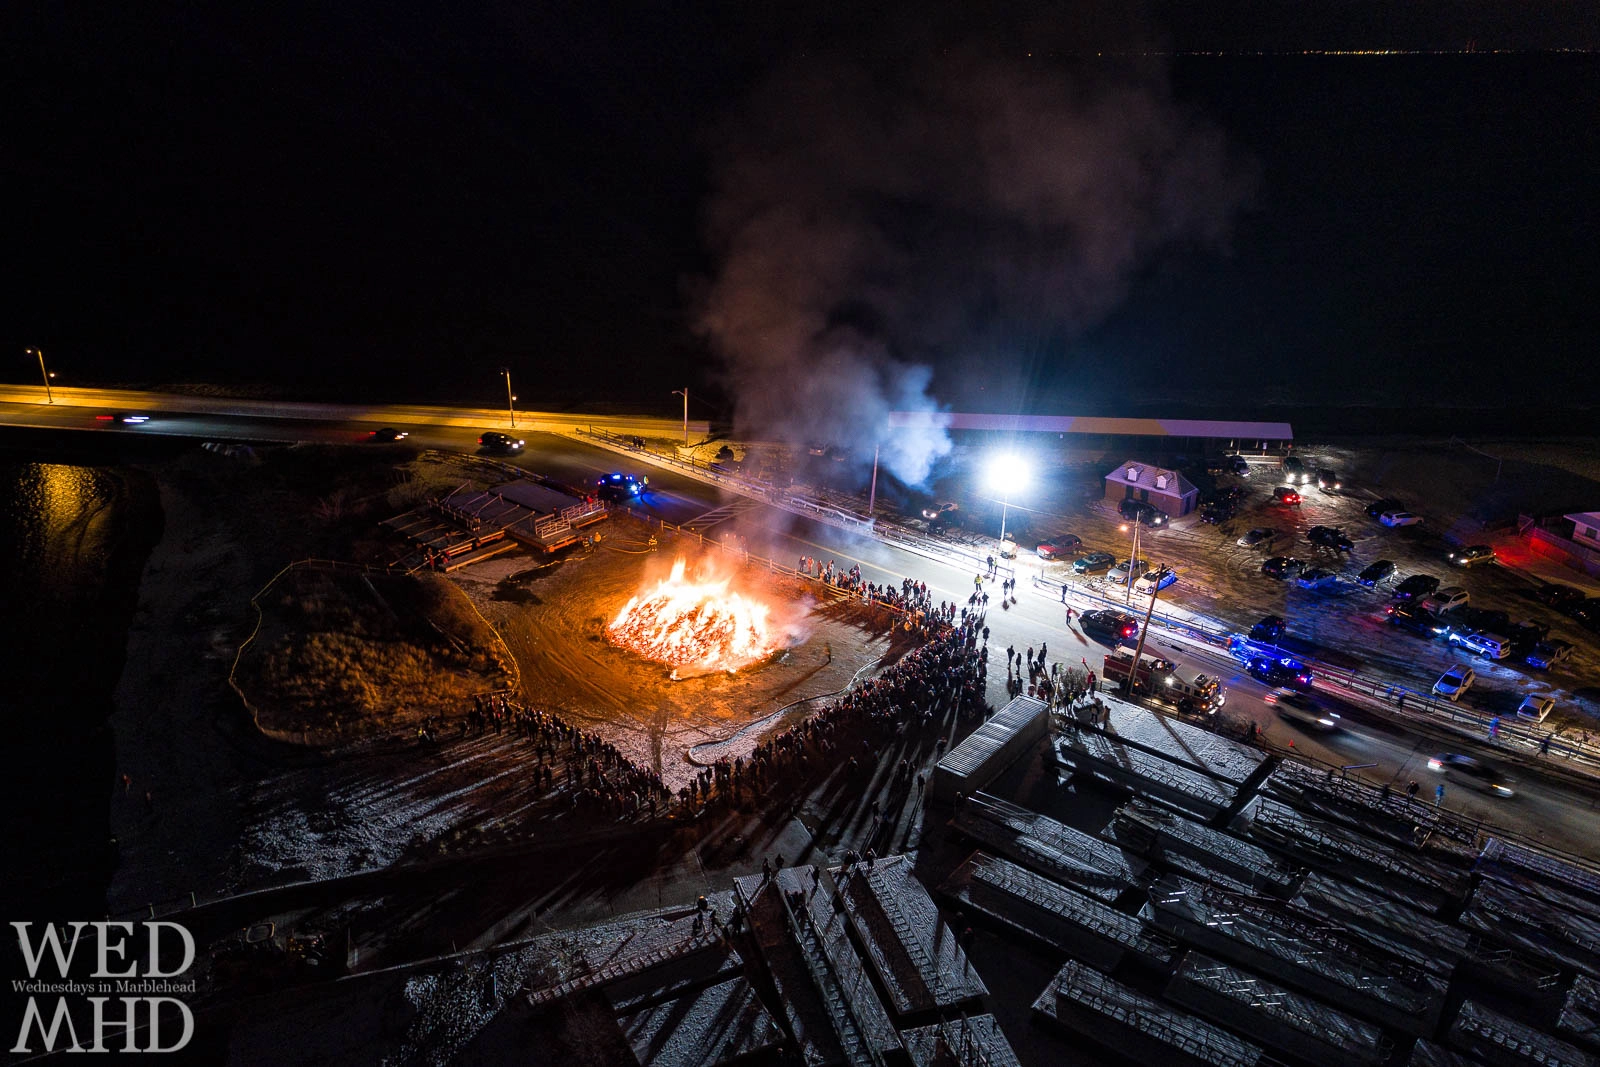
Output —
<point x="603" y="781"/>
<point x="944" y="675"/>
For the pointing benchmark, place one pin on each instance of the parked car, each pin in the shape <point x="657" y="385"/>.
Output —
<point x="1281" y="670"/>
<point x="1383" y="504"/>
<point x="1286" y="495"/>
<point x="1120" y="572"/>
<point x="1476" y="618"/>
<point x="386" y="434"/>
<point x="1455" y="681"/>
<point x="1378" y="571"/>
<point x="1261" y="535"/>
<point x="620" y="486"/>
<point x="1547" y="654"/>
<point x="1417" y="620"/>
<point x="1329" y="537"/>
<point x="1008" y="547"/>
<point x="1418" y="585"/>
<point x="1113" y="626"/>
<point x="1239" y="466"/>
<point x="1329" y="481"/>
<point x="1587" y="613"/>
<point x="1302" y="710"/>
<point x="1155" y="581"/>
<point x="1449" y="598"/>
<point x="1472" y="555"/>
<point x="1536" y="707"/>
<point x="1219" y="465"/>
<point x="495" y="441"/>
<point x="1392" y="519"/>
<point x="1524" y="636"/>
<point x="1060" y="545"/>
<point x="1473" y="772"/>
<point x="1216" y="513"/>
<point x="1093" y="562"/>
<point x="1491" y="646"/>
<point x="1560" y="597"/>
<point x="1270" y="628"/>
<point x="1143" y="513"/>
<point x="1294" y="471"/>
<point x="1317" y="578"/>
<point x="1282" y="567"/>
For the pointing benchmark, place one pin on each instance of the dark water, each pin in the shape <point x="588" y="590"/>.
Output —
<point x="74" y="537"/>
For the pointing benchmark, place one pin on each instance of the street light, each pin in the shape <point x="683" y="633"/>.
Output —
<point x="1008" y="473"/>
<point x="49" y="398"/>
<point x="511" y="401"/>
<point x="684" y="392"/>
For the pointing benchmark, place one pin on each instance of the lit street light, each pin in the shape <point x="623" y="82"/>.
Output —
<point x="511" y="401"/>
<point x="49" y="398"/>
<point x="684" y="392"/>
<point x="1008" y="473"/>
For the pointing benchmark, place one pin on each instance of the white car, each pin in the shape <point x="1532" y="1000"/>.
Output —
<point x="1491" y="646"/>
<point x="1008" y="548"/>
<point x="1151" y="581"/>
<point x="1119" y="573"/>
<point x="1454" y="682"/>
<point x="1536" y="707"/>
<point x="1399" y="518"/>
<point x="1449" y="598"/>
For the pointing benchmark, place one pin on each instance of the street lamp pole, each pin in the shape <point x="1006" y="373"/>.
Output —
<point x="872" y="493"/>
<point x="511" y="401"/>
<point x="684" y="392"/>
<point x="49" y="398"/>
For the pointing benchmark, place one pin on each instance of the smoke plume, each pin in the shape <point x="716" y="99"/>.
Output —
<point x="883" y="230"/>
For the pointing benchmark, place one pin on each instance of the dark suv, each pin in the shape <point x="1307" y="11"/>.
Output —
<point x="1142" y="513"/>
<point x="1416" y="587"/>
<point x="495" y="441"/>
<point x="1110" y="625"/>
<point x="1418" y="620"/>
<point x="1329" y="537"/>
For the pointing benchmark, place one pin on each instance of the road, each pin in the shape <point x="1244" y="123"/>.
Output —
<point x="1546" y="810"/>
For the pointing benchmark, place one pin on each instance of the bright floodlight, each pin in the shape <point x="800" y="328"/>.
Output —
<point x="1008" y="474"/>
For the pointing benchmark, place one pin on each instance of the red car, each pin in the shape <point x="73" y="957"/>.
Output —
<point x="1285" y="494"/>
<point x="1059" y="546"/>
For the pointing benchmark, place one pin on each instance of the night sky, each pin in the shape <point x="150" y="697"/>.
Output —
<point x="785" y="210"/>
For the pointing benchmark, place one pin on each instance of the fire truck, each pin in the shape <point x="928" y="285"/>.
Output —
<point x="1160" y="679"/>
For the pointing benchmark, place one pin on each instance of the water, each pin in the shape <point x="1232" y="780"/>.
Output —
<point x="73" y="540"/>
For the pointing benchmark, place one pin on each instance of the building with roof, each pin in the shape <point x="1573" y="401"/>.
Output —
<point x="1585" y="527"/>
<point x="1158" y="435"/>
<point x="1166" y="490"/>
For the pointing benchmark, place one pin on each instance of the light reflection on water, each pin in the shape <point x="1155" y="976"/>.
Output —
<point x="58" y="529"/>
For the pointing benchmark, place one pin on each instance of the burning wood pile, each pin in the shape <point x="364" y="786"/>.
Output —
<point x="695" y="624"/>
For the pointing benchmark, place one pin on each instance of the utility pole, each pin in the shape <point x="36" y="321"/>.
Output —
<point x="1132" y="562"/>
<point x="511" y="401"/>
<point x="684" y="392"/>
<point x="872" y="494"/>
<point x="49" y="398"/>
<point x="1144" y="631"/>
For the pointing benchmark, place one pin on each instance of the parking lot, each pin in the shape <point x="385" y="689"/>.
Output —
<point x="1222" y="579"/>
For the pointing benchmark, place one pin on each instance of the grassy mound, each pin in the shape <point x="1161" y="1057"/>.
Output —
<point x="343" y="654"/>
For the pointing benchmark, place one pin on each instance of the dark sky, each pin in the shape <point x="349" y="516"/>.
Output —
<point x="392" y="200"/>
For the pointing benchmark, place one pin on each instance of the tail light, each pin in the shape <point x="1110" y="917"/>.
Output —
<point x="102" y="418"/>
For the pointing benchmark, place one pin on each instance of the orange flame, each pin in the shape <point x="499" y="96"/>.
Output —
<point x="697" y="624"/>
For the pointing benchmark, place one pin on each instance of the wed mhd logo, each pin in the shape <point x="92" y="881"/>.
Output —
<point x="120" y="997"/>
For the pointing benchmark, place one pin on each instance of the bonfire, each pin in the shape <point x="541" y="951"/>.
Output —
<point x="698" y="625"/>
